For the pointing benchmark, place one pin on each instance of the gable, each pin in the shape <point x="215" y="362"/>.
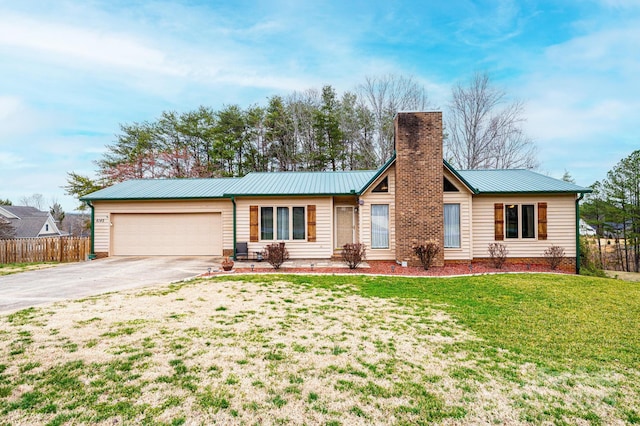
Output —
<point x="383" y="180"/>
<point x="450" y="179"/>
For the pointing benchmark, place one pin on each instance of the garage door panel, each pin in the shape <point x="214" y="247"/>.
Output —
<point x="172" y="234"/>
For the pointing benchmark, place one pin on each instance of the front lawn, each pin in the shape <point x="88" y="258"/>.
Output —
<point x="508" y="349"/>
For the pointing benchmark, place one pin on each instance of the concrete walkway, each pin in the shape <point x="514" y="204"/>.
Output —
<point x="77" y="280"/>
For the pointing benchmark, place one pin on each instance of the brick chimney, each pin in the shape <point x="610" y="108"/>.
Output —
<point x="419" y="195"/>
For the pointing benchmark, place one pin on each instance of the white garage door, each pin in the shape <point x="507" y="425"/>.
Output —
<point x="170" y="234"/>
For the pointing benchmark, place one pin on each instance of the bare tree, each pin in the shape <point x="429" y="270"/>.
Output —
<point x="484" y="130"/>
<point x="35" y="200"/>
<point x="384" y="96"/>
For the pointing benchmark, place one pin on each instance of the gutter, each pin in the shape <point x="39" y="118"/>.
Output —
<point x="92" y="254"/>
<point x="578" y="233"/>
<point x="233" y="201"/>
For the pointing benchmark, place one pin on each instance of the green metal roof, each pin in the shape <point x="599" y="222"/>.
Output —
<point x="321" y="183"/>
<point x="154" y="189"/>
<point x="301" y="183"/>
<point x="516" y="181"/>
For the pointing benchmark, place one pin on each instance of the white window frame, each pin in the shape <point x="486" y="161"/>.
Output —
<point x="290" y="207"/>
<point x="520" y="222"/>
<point x="459" y="227"/>
<point x="373" y="247"/>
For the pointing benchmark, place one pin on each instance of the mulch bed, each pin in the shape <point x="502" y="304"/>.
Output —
<point x="391" y="268"/>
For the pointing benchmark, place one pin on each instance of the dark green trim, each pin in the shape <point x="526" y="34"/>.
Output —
<point x="233" y="201"/>
<point x="92" y="254"/>
<point x="459" y="176"/>
<point x="533" y="192"/>
<point x="578" y="233"/>
<point x="327" y="194"/>
<point x="380" y="171"/>
<point x="221" y="197"/>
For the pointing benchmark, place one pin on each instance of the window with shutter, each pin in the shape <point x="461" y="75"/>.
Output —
<point x="542" y="221"/>
<point x="499" y="221"/>
<point x="311" y="223"/>
<point x="253" y="224"/>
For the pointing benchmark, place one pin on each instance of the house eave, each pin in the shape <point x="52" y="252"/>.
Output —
<point x="531" y="192"/>
<point x="151" y="198"/>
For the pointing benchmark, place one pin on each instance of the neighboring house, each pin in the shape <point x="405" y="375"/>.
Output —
<point x="30" y="222"/>
<point x="586" y="229"/>
<point x="416" y="196"/>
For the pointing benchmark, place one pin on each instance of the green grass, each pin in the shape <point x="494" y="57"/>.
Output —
<point x="558" y="321"/>
<point x="554" y="349"/>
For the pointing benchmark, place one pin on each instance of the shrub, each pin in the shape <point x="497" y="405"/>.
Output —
<point x="589" y="259"/>
<point x="498" y="254"/>
<point x="276" y="254"/>
<point x="426" y="252"/>
<point x="353" y="254"/>
<point x="554" y="256"/>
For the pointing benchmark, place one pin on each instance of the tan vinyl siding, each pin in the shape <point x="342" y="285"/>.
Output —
<point x="364" y="214"/>
<point x="103" y="210"/>
<point x="298" y="249"/>
<point x="561" y="225"/>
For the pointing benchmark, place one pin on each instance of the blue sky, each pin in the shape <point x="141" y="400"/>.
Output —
<point x="72" y="71"/>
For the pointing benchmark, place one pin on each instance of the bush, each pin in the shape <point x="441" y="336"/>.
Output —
<point x="353" y="254"/>
<point x="426" y="252"/>
<point x="498" y="254"/>
<point x="589" y="259"/>
<point x="276" y="254"/>
<point x="554" y="256"/>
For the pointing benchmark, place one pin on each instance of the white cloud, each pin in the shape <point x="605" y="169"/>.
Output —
<point x="83" y="44"/>
<point x="11" y="161"/>
<point x="17" y="118"/>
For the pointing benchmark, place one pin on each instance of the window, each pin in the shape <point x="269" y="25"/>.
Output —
<point x="283" y="223"/>
<point x="520" y="221"/>
<point x="266" y="223"/>
<point x="383" y="186"/>
<point x="528" y="221"/>
<point x="379" y="226"/>
<point x="447" y="186"/>
<point x="298" y="223"/>
<point x="46" y="227"/>
<point x="286" y="220"/>
<point x="452" y="225"/>
<point x="511" y="215"/>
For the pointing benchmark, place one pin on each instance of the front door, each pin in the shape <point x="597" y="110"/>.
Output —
<point x="344" y="226"/>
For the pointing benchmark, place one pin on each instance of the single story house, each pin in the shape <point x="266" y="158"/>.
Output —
<point x="416" y="196"/>
<point x="586" y="229"/>
<point x="29" y="222"/>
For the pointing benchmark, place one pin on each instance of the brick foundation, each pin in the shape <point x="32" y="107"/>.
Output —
<point x="419" y="195"/>
<point x="568" y="263"/>
<point x="101" y="254"/>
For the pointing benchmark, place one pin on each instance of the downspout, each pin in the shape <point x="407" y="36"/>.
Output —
<point x="92" y="254"/>
<point x="578" y="233"/>
<point x="233" y="201"/>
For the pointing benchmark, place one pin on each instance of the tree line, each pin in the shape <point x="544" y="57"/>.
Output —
<point x="312" y="130"/>
<point x="613" y="209"/>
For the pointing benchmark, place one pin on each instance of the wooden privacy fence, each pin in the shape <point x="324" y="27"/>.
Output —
<point x="54" y="249"/>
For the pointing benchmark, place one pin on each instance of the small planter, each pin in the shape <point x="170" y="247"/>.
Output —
<point x="227" y="264"/>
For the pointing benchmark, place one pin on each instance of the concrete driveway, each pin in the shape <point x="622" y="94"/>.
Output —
<point x="78" y="280"/>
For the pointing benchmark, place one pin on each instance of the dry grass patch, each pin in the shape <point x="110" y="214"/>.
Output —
<point x="240" y="352"/>
<point x="14" y="268"/>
